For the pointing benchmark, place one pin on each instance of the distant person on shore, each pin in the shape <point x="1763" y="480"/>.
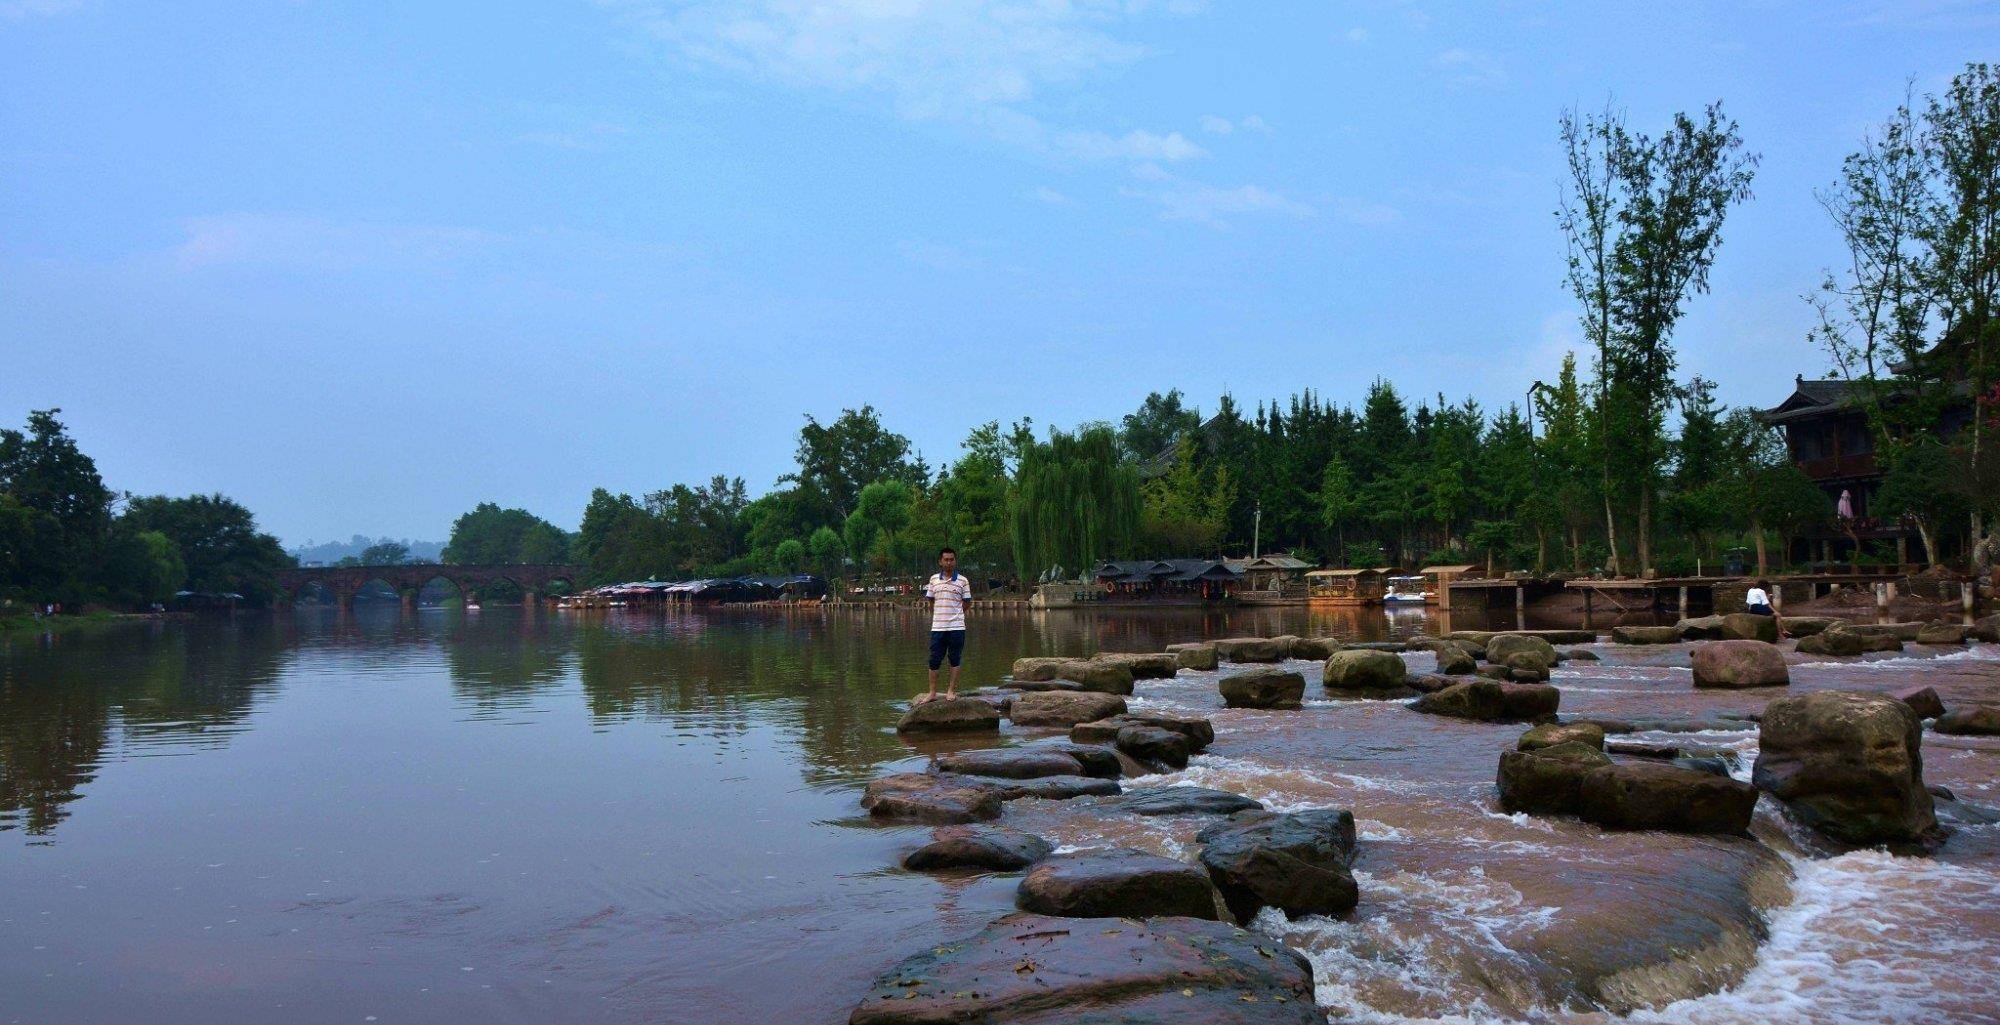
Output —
<point x="949" y="591"/>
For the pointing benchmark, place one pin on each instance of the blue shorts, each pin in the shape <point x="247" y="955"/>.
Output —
<point x="947" y="644"/>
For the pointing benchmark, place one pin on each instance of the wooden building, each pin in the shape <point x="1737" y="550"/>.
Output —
<point x="1346" y="586"/>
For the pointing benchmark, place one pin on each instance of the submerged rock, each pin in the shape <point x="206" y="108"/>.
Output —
<point x="1848" y="765"/>
<point x="1806" y="626"/>
<point x="1267" y="687"/>
<point x="1582" y="655"/>
<point x="1050" y="788"/>
<point x="1118" y="883"/>
<point x="986" y="848"/>
<point x="1740" y="663"/>
<point x="923" y="797"/>
<point x="1364" y="670"/>
<point x="1182" y="800"/>
<point x="1971" y="721"/>
<point x="1027" y="969"/>
<point x="1296" y="862"/>
<point x="1253" y="649"/>
<point x="951" y="715"/>
<point x="1065" y="709"/>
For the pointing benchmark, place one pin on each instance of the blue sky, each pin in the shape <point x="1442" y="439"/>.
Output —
<point x="365" y="265"/>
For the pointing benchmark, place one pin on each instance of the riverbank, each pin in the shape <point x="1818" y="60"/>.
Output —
<point x="28" y="623"/>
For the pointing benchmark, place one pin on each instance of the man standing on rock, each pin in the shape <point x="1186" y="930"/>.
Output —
<point x="949" y="591"/>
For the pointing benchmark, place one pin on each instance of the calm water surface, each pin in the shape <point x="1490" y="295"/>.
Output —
<point x="508" y="817"/>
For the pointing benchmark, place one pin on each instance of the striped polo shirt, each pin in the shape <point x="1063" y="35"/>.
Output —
<point x="948" y="598"/>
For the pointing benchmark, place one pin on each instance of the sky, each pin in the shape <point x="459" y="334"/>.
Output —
<point x="362" y="266"/>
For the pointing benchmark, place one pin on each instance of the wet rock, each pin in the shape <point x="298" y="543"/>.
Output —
<point x="1267" y="687"/>
<point x="1494" y="672"/>
<point x="1644" y="635"/>
<point x="985" y="848"/>
<point x="1144" y="666"/>
<point x="1740" y="663"/>
<point x="1296" y="862"/>
<point x="1714" y="765"/>
<point x="1501" y="646"/>
<point x="923" y="797"/>
<point x="1971" y="721"/>
<point x="1844" y="640"/>
<point x="1118" y="883"/>
<point x="1154" y="746"/>
<point x="1314" y="648"/>
<point x="1065" y="709"/>
<point x="1922" y="700"/>
<point x="1037" y="686"/>
<point x="1700" y="628"/>
<point x="1492" y="701"/>
<point x="1096" y="759"/>
<point x="1012" y="763"/>
<point x="1986" y="629"/>
<point x="1749" y="626"/>
<point x="1393" y="647"/>
<point x="1182" y="800"/>
<point x="1050" y="788"/>
<point x="1942" y="633"/>
<point x="1028" y="670"/>
<point x="1199" y="656"/>
<point x="954" y="715"/>
<point x="1551" y="734"/>
<point x="1199" y="732"/>
<point x="1428" y="683"/>
<point x="1527" y="666"/>
<point x="1582" y="655"/>
<point x="1456" y="661"/>
<point x="1099" y="677"/>
<point x="1426" y="642"/>
<point x="1027" y="969"/>
<point x="1807" y="626"/>
<point x="1363" y="670"/>
<point x="1649" y="795"/>
<point x="1547" y="780"/>
<point x="1252" y="649"/>
<point x="1848" y="765"/>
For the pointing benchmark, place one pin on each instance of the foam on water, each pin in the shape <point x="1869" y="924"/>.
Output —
<point x="1974" y="653"/>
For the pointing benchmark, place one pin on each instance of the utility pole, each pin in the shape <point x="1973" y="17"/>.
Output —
<point x="1257" y="532"/>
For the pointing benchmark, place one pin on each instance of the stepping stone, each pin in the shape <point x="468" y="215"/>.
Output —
<point x="923" y="797"/>
<point x="1119" y="883"/>
<point x="1179" y="800"/>
<point x="987" y="848"/>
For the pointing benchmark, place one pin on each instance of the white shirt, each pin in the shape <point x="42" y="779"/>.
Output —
<point x="1756" y="597"/>
<point x="948" y="597"/>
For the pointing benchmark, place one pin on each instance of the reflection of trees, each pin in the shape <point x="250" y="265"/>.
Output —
<point x="496" y="661"/>
<point x="63" y="695"/>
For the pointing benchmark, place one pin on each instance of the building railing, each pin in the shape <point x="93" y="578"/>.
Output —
<point x="1859" y="464"/>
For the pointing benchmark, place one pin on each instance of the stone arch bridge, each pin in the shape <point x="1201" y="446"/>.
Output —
<point x="344" y="582"/>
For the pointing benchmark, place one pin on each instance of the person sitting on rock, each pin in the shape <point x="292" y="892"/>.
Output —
<point x="1758" y="603"/>
<point x="949" y="591"/>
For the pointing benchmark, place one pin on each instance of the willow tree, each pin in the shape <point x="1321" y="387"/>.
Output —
<point x="1076" y="500"/>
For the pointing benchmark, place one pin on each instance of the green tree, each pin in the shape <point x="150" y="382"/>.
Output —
<point x="218" y="539"/>
<point x="1184" y="511"/>
<point x="58" y="510"/>
<point x="1159" y="423"/>
<point x="1917" y="484"/>
<point x="837" y="460"/>
<point x="829" y="552"/>
<point x="492" y="536"/>
<point x="791" y="555"/>
<point x="1075" y="501"/>
<point x="882" y="512"/>
<point x="385" y="553"/>
<point x="1340" y="502"/>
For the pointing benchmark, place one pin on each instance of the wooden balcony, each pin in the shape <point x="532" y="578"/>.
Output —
<point x="1832" y="467"/>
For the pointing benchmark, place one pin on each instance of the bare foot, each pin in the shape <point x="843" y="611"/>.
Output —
<point x="928" y="698"/>
<point x="951" y="695"/>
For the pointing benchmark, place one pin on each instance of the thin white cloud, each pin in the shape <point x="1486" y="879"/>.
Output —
<point x="319" y="242"/>
<point x="1053" y="198"/>
<point x="1357" y="34"/>
<point x="21" y="10"/>
<point x="1183" y="200"/>
<point x="1469" y="67"/>
<point x="1215" y="124"/>
<point x="981" y="63"/>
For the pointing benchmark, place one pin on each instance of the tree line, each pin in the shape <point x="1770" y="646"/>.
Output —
<point x="66" y="538"/>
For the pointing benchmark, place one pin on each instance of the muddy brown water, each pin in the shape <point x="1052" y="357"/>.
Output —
<point x="551" y="817"/>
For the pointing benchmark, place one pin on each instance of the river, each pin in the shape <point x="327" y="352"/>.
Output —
<point x="516" y="816"/>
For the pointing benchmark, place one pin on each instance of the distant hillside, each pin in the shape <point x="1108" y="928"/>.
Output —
<point x="326" y="553"/>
